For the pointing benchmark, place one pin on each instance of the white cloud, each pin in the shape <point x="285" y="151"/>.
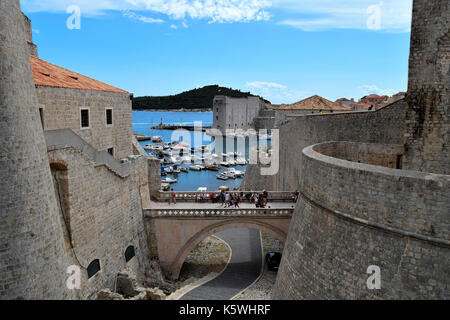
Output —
<point x="308" y="15"/>
<point x="395" y="15"/>
<point x="275" y="92"/>
<point x="173" y="26"/>
<point x="263" y="84"/>
<point x="141" y="18"/>
<point x="211" y="10"/>
<point x="371" y="89"/>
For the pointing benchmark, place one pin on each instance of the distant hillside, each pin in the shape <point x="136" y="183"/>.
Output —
<point x="194" y="99"/>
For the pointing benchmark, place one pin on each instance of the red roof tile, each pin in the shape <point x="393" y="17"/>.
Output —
<point x="46" y="74"/>
<point x="315" y="103"/>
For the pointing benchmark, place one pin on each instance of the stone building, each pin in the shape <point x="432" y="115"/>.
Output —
<point x="97" y="112"/>
<point x="75" y="181"/>
<point x="235" y="113"/>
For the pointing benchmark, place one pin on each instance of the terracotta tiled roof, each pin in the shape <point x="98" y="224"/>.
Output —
<point x="49" y="75"/>
<point x="316" y="103"/>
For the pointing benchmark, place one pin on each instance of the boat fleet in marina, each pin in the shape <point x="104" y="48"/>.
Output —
<point x="174" y="155"/>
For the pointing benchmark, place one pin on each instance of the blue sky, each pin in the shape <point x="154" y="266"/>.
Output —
<point x="285" y="50"/>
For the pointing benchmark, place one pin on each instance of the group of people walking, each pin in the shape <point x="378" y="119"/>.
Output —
<point x="230" y="199"/>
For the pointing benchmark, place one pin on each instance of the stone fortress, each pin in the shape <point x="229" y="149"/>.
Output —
<point x="374" y="186"/>
<point x="235" y="113"/>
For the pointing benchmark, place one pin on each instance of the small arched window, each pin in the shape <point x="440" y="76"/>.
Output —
<point x="93" y="268"/>
<point x="129" y="253"/>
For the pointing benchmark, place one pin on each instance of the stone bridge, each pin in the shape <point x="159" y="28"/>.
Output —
<point x="175" y="230"/>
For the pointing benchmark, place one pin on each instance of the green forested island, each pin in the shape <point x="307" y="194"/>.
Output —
<point x="194" y="99"/>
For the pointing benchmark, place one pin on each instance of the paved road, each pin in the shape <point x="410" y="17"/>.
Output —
<point x="243" y="270"/>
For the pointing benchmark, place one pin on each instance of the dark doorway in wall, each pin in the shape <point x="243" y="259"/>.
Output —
<point x="93" y="268"/>
<point x="129" y="253"/>
<point x="111" y="151"/>
<point x="399" y="161"/>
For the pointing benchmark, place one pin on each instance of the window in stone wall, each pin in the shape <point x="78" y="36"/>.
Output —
<point x="93" y="268"/>
<point x="129" y="253"/>
<point x="109" y="117"/>
<point x="84" y="118"/>
<point x="111" y="151"/>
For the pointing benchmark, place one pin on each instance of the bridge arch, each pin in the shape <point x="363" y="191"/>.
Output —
<point x="177" y="264"/>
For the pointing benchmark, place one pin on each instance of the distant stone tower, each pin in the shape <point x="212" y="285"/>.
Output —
<point x="33" y="261"/>
<point x="427" y="140"/>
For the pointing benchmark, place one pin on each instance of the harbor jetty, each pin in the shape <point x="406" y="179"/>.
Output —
<point x="180" y="126"/>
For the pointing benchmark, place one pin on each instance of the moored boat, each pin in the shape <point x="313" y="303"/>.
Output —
<point x="196" y="168"/>
<point x="229" y="174"/>
<point x="212" y="167"/>
<point x="165" y="186"/>
<point x="168" y="180"/>
<point x="222" y="177"/>
<point x="157" y="139"/>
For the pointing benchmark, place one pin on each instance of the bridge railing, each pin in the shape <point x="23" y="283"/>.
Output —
<point x="204" y="196"/>
<point x="218" y="213"/>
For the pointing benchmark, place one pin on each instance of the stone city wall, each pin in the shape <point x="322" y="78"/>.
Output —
<point x="385" y="125"/>
<point x="102" y="213"/>
<point x="353" y="215"/>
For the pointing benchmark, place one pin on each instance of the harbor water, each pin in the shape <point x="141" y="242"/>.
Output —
<point x="143" y="121"/>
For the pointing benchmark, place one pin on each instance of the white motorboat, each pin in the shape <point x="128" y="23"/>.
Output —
<point x="196" y="168"/>
<point x="176" y="160"/>
<point x="157" y="139"/>
<point x="222" y="177"/>
<point x="224" y="164"/>
<point x="237" y="173"/>
<point x="176" y="169"/>
<point x="168" y="180"/>
<point x="231" y="162"/>
<point x="229" y="174"/>
<point x="241" y="161"/>
<point x="186" y="159"/>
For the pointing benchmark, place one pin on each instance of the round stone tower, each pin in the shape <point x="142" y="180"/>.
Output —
<point x="426" y="136"/>
<point x="33" y="260"/>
